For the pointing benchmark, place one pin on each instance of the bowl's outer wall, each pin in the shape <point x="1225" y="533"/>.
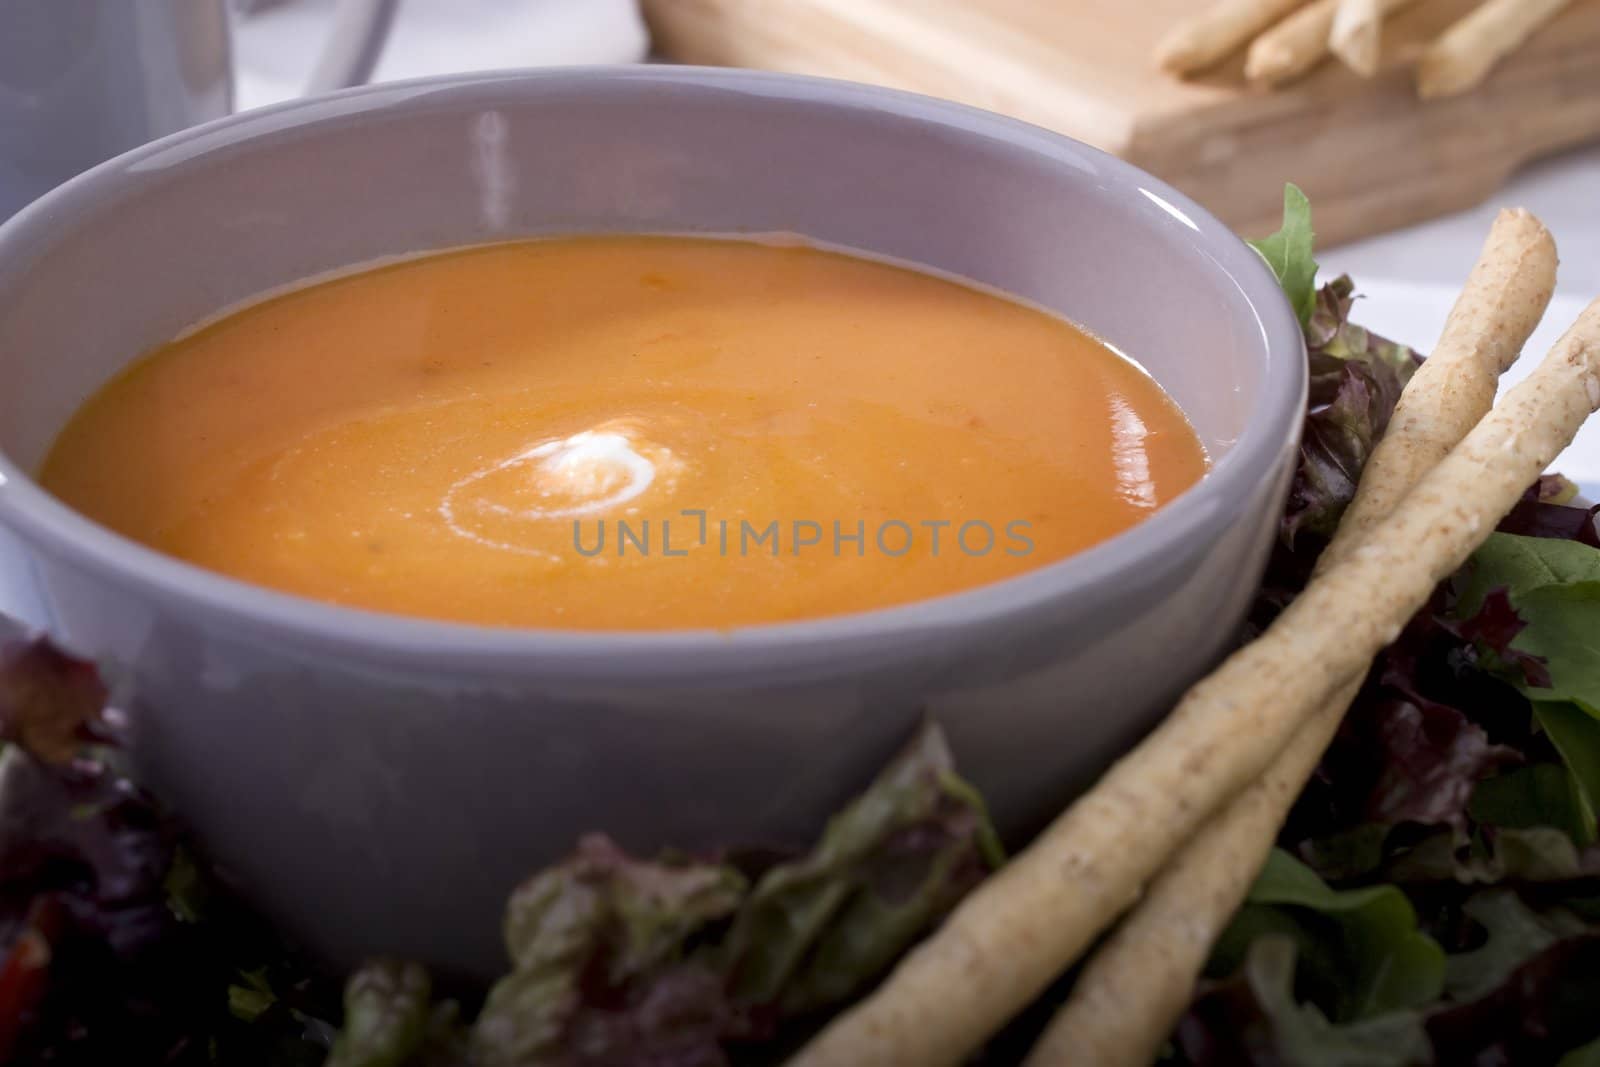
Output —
<point x="380" y="800"/>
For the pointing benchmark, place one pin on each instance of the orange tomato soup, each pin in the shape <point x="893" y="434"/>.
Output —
<point x="634" y="433"/>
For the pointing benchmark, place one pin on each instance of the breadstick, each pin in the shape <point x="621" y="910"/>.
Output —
<point x="1198" y="42"/>
<point x="1357" y="32"/>
<point x="1298" y="43"/>
<point x="1000" y="948"/>
<point x="1462" y="58"/>
<point x="1139" y="981"/>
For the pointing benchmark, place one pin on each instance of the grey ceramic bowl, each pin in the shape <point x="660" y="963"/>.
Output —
<point x="380" y="783"/>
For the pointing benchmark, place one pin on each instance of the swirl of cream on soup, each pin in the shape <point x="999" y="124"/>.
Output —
<point x="588" y="474"/>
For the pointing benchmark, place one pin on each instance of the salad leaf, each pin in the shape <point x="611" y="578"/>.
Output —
<point x="1492" y="633"/>
<point x="1499" y="857"/>
<point x="1348" y="854"/>
<point x="1256" y="1020"/>
<point x="252" y="997"/>
<point x="1564" y="631"/>
<point x="1356" y="380"/>
<point x="1289" y="253"/>
<point x="1555" y="588"/>
<point x="602" y="961"/>
<point x="390" y="1021"/>
<point x="1430" y="758"/>
<point x="50" y="702"/>
<point x="888" y="866"/>
<point x="671" y="960"/>
<point x="1575" y="733"/>
<point x="1495" y="856"/>
<point x="85" y="833"/>
<point x="1520" y="564"/>
<point x="1543" y="795"/>
<point x="1542" y="1010"/>
<point x="1556" y="489"/>
<point x="1363" y="952"/>
<point x="1411" y="751"/>
<point x="1546" y="511"/>
<point x="1514" y="934"/>
<point x="1587" y="1056"/>
<point x="115" y="947"/>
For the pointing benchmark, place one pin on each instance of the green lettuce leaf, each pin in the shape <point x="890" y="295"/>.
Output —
<point x="390" y="1020"/>
<point x="622" y="960"/>
<point x="1575" y="733"/>
<point x="1554" y="587"/>
<point x="1289" y="253"/>
<point x="1534" y="855"/>
<point x="1542" y="1010"/>
<point x="1587" y="1056"/>
<point x="1256" y="1019"/>
<point x="1514" y="934"/>
<point x="1543" y="795"/>
<point x="1522" y="564"/>
<point x="1362" y="951"/>
<point x="602" y="958"/>
<point x="887" y="867"/>
<point x="1524" y="994"/>
<point x="1564" y="630"/>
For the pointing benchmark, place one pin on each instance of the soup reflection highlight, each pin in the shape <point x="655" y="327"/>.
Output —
<point x="628" y="433"/>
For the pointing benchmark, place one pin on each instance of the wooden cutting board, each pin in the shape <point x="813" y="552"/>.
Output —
<point x="1370" y="154"/>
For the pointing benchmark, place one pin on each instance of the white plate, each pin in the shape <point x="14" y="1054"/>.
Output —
<point x="1403" y="311"/>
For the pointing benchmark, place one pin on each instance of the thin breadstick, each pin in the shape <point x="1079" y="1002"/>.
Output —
<point x="1206" y="38"/>
<point x="1465" y="54"/>
<point x="1138" y="982"/>
<point x="1356" y="35"/>
<point x="1298" y="43"/>
<point x="1028" y="922"/>
<point x="1292" y="47"/>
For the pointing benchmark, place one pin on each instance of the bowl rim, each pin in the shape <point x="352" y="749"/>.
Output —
<point x="47" y="526"/>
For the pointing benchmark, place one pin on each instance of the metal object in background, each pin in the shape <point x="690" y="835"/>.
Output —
<point x="83" y="80"/>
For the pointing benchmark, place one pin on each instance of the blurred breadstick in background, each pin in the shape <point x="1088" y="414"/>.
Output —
<point x="1293" y="46"/>
<point x="1219" y="30"/>
<point x="1463" y="56"/>
<point x="1357" y="32"/>
<point x="1298" y="43"/>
